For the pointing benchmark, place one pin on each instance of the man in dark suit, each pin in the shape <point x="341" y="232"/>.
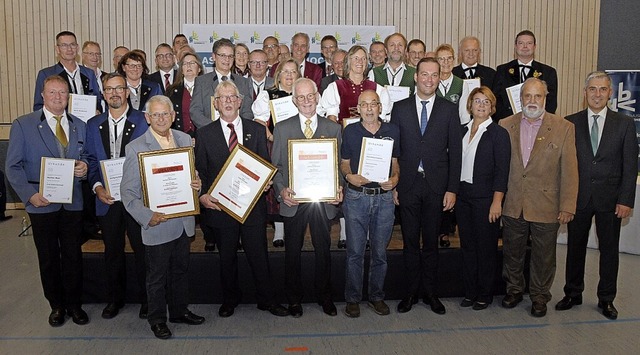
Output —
<point x="430" y="164"/>
<point x="92" y="59"/>
<point x="258" y="72"/>
<point x="80" y="80"/>
<point x="165" y="62"/>
<point x="470" y="67"/>
<point x="107" y="135"/>
<point x="328" y="45"/>
<point x="607" y="168"/>
<point x="299" y="52"/>
<point x="271" y="46"/>
<point x="318" y="215"/>
<point x="205" y="85"/>
<point x="520" y="69"/>
<point x="337" y="58"/>
<point x="214" y="143"/>
<point x="52" y="132"/>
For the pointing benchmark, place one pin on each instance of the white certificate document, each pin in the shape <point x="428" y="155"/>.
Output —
<point x="282" y="108"/>
<point x="514" y="98"/>
<point x="313" y="169"/>
<point x="397" y="93"/>
<point x="82" y="106"/>
<point x="349" y="120"/>
<point x="56" y="179"/>
<point x="375" y="159"/>
<point x="467" y="86"/>
<point x="112" y="176"/>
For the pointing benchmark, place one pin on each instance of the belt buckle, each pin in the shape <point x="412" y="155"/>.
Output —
<point x="369" y="191"/>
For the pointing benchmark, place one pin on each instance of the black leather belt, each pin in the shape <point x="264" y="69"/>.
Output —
<point x="368" y="190"/>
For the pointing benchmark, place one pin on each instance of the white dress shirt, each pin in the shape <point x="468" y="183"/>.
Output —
<point x="469" y="149"/>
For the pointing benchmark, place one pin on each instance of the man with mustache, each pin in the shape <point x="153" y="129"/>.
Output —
<point x="542" y="193"/>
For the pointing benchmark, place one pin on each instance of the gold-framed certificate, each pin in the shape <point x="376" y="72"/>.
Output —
<point x="513" y="93"/>
<point x="56" y="179"/>
<point x="166" y="177"/>
<point x="313" y="169"/>
<point x="112" y="176"/>
<point x="375" y="159"/>
<point x="241" y="182"/>
<point x="282" y="108"/>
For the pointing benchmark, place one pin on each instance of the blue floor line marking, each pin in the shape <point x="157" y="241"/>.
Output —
<point x="333" y="335"/>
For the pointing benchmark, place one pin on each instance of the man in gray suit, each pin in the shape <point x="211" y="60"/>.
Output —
<point x="258" y="72"/>
<point x="166" y="240"/>
<point x="296" y="215"/>
<point x="205" y="85"/>
<point x="51" y="132"/>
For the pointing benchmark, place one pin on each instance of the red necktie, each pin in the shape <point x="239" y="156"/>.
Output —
<point x="166" y="81"/>
<point x="233" y="138"/>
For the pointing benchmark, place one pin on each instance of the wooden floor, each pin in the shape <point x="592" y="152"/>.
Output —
<point x="582" y="330"/>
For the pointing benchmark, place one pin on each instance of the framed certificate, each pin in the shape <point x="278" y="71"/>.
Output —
<point x="282" y="108"/>
<point x="56" y="179"/>
<point x="513" y="92"/>
<point x="313" y="169"/>
<point x="375" y="159"/>
<point x="82" y="106"/>
<point x="241" y="182"/>
<point x="166" y="177"/>
<point x="112" y="176"/>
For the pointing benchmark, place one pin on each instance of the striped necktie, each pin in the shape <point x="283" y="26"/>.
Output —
<point x="233" y="138"/>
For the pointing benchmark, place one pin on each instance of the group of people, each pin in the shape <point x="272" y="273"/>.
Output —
<point x="529" y="171"/>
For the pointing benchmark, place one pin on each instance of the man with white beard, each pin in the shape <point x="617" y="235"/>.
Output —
<point x="542" y="193"/>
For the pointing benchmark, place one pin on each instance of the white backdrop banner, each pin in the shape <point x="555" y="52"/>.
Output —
<point x="201" y="37"/>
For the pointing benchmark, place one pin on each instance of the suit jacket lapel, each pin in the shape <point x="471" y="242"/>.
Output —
<point x="129" y="127"/>
<point x="104" y="135"/>
<point x="47" y="136"/>
<point x="517" y="145"/>
<point x="73" y="136"/>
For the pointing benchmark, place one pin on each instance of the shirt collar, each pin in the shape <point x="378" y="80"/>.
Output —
<point x="464" y="66"/>
<point x="602" y="113"/>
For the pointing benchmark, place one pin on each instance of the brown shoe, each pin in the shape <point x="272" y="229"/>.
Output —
<point x="379" y="307"/>
<point x="352" y="310"/>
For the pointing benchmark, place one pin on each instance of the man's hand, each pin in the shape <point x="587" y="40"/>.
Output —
<point x="209" y="202"/>
<point x="197" y="183"/>
<point x="396" y="200"/>
<point x="448" y="201"/>
<point x="623" y="211"/>
<point x="104" y="196"/>
<point x="339" y="198"/>
<point x="38" y="200"/>
<point x="287" y="197"/>
<point x="357" y="180"/>
<point x="156" y="219"/>
<point x="267" y="186"/>
<point x="80" y="169"/>
<point x="565" y="217"/>
<point x="495" y="211"/>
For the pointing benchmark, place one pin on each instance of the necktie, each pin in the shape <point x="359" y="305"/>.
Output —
<point x="524" y="71"/>
<point x="115" y="129"/>
<point x="73" y="81"/>
<point x="224" y="78"/>
<point x="62" y="137"/>
<point x="329" y="69"/>
<point x="594" y="134"/>
<point x="233" y="138"/>
<point x="471" y="72"/>
<point x="166" y="81"/>
<point x="307" y="129"/>
<point x="423" y="117"/>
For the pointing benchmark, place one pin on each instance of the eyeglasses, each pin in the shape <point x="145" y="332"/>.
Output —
<point x="157" y="115"/>
<point x="225" y="56"/>
<point x="134" y="66"/>
<point x="308" y="97"/>
<point x="368" y="105"/>
<point x="231" y="98"/>
<point x="117" y="89"/>
<point x="164" y="56"/>
<point x="188" y="64"/>
<point x="68" y="45"/>
<point x="485" y="102"/>
<point x="258" y="62"/>
<point x="93" y="54"/>
<point x="446" y="59"/>
<point x="270" y="46"/>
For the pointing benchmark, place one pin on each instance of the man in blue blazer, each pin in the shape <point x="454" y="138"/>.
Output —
<point x="430" y="163"/>
<point x="607" y="169"/>
<point x="214" y="142"/>
<point x="80" y="80"/>
<point x="51" y="132"/>
<point x="297" y="216"/>
<point x="107" y="136"/>
<point x="166" y="240"/>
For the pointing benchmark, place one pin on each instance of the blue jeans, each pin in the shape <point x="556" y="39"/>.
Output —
<point x="370" y="215"/>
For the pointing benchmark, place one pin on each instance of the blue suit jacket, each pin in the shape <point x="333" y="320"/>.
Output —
<point x="131" y="192"/>
<point x="30" y="139"/>
<point x="99" y="148"/>
<point x="148" y="89"/>
<point x="440" y="148"/>
<point x="89" y="84"/>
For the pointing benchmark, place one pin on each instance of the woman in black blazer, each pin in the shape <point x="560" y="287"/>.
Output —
<point x="486" y="154"/>
<point x="180" y="92"/>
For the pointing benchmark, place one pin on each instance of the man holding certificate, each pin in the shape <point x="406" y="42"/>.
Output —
<point x="369" y="148"/>
<point x="306" y="125"/>
<point x="214" y="144"/>
<point x="35" y="140"/>
<point x="107" y="135"/>
<point x="430" y="161"/>
<point x="166" y="240"/>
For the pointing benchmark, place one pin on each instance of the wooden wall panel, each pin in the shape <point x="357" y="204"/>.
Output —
<point x="567" y="31"/>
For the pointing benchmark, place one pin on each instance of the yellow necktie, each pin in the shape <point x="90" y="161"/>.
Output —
<point x="307" y="129"/>
<point x="62" y="137"/>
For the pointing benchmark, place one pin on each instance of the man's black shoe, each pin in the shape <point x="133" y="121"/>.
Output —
<point x="161" y="331"/>
<point x="608" y="310"/>
<point x="78" y="315"/>
<point x="295" y="310"/>
<point x="56" y="318"/>
<point x="329" y="308"/>
<point x="405" y="305"/>
<point x="436" y="306"/>
<point x="188" y="318"/>
<point x="567" y="302"/>
<point x="226" y="310"/>
<point x="112" y="310"/>
<point x="275" y="309"/>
